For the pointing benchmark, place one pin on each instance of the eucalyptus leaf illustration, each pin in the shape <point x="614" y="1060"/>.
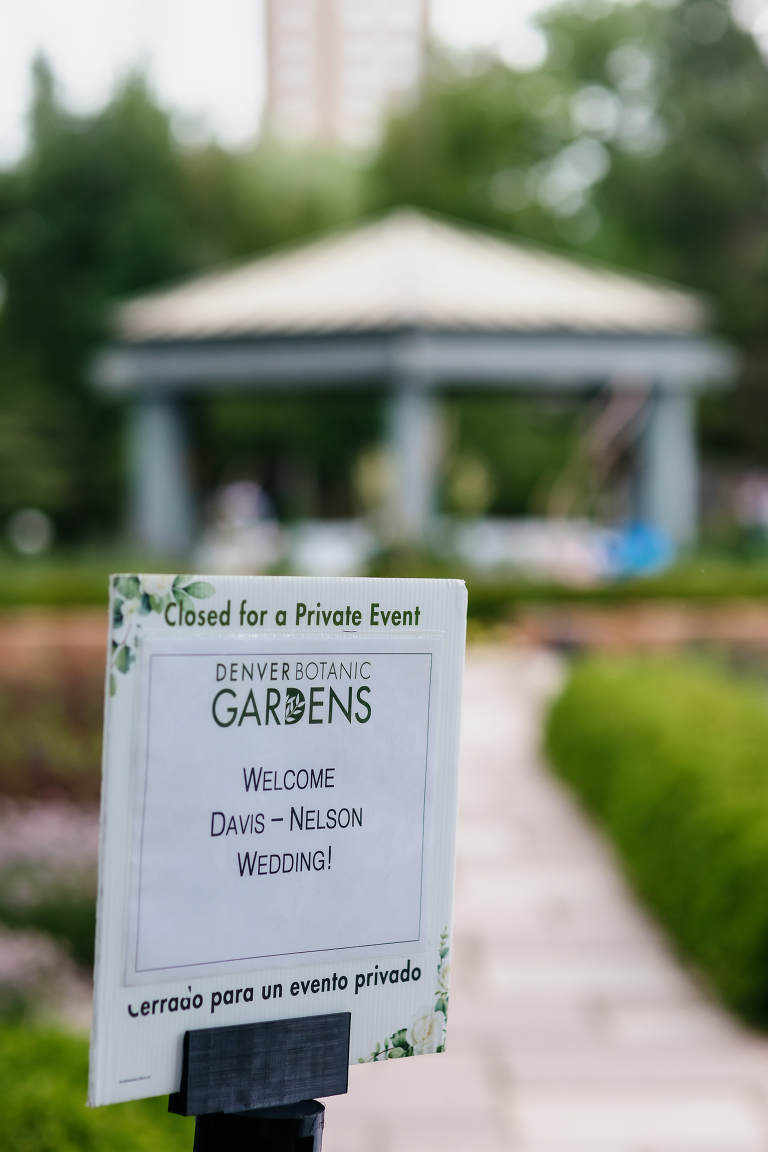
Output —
<point x="185" y="602"/>
<point x="200" y="590"/>
<point x="141" y="596"/>
<point x="128" y="586"/>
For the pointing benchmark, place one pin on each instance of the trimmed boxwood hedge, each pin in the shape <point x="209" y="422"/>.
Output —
<point x="672" y="757"/>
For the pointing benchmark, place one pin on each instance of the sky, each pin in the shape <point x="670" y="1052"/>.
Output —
<point x="205" y="60"/>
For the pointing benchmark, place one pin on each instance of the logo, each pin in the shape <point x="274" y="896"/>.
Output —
<point x="294" y="705"/>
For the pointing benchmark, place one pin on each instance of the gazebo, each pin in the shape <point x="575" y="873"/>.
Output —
<point x="414" y="306"/>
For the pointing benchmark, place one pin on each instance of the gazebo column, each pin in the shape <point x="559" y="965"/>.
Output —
<point x="414" y="428"/>
<point x="161" y="502"/>
<point x="669" y="480"/>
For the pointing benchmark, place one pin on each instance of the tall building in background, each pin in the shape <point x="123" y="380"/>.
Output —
<point x="336" y="67"/>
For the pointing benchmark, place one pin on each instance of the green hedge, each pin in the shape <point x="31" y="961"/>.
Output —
<point x="43" y="1080"/>
<point x="52" y="586"/>
<point x="60" y="581"/>
<point x="672" y="757"/>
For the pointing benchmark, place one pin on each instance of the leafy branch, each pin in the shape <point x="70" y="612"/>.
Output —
<point x="140" y="596"/>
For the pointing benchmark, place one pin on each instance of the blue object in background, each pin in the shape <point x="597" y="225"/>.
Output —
<point x="638" y="550"/>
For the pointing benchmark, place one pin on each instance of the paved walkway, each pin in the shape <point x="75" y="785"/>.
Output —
<point x="571" y="1027"/>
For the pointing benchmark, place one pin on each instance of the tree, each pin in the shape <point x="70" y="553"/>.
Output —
<point x="642" y="140"/>
<point x="99" y="208"/>
<point x="90" y="213"/>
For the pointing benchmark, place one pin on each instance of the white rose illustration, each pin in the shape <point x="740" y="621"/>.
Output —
<point x="427" y="1032"/>
<point x="157" y="585"/>
<point x="129" y="610"/>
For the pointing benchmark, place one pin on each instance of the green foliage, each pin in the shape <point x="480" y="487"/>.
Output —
<point x="102" y="207"/>
<point x="244" y="202"/>
<point x="301" y="448"/>
<point x="90" y="213"/>
<point x="43" y="1082"/>
<point x="642" y="140"/>
<point x="687" y="198"/>
<point x="523" y="443"/>
<point x="61" y="583"/>
<point x="467" y="147"/>
<point x="638" y="140"/>
<point x="38" y="441"/>
<point x="670" y="756"/>
<point x="136" y="601"/>
<point x="55" y="581"/>
<point x="699" y="580"/>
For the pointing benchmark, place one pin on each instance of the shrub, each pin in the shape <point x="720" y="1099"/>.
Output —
<point x="672" y="757"/>
<point x="43" y="1077"/>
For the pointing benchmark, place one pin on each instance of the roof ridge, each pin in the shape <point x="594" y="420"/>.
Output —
<point x="409" y="266"/>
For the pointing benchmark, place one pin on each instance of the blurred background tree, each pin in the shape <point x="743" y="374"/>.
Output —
<point x="641" y="140"/>
<point x="102" y="207"/>
<point x="89" y="214"/>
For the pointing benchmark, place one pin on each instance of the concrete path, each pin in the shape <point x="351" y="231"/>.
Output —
<point x="572" y="1028"/>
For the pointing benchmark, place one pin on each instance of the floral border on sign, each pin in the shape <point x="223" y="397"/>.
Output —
<point x="137" y="596"/>
<point x="426" y="1033"/>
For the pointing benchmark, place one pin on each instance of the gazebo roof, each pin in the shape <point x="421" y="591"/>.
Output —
<point x="409" y="271"/>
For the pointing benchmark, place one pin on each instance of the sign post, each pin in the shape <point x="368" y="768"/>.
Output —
<point x="277" y="840"/>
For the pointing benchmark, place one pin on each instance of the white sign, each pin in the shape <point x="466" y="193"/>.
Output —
<point x="278" y="814"/>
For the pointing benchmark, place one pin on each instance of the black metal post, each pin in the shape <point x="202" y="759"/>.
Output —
<point x="287" y="1128"/>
